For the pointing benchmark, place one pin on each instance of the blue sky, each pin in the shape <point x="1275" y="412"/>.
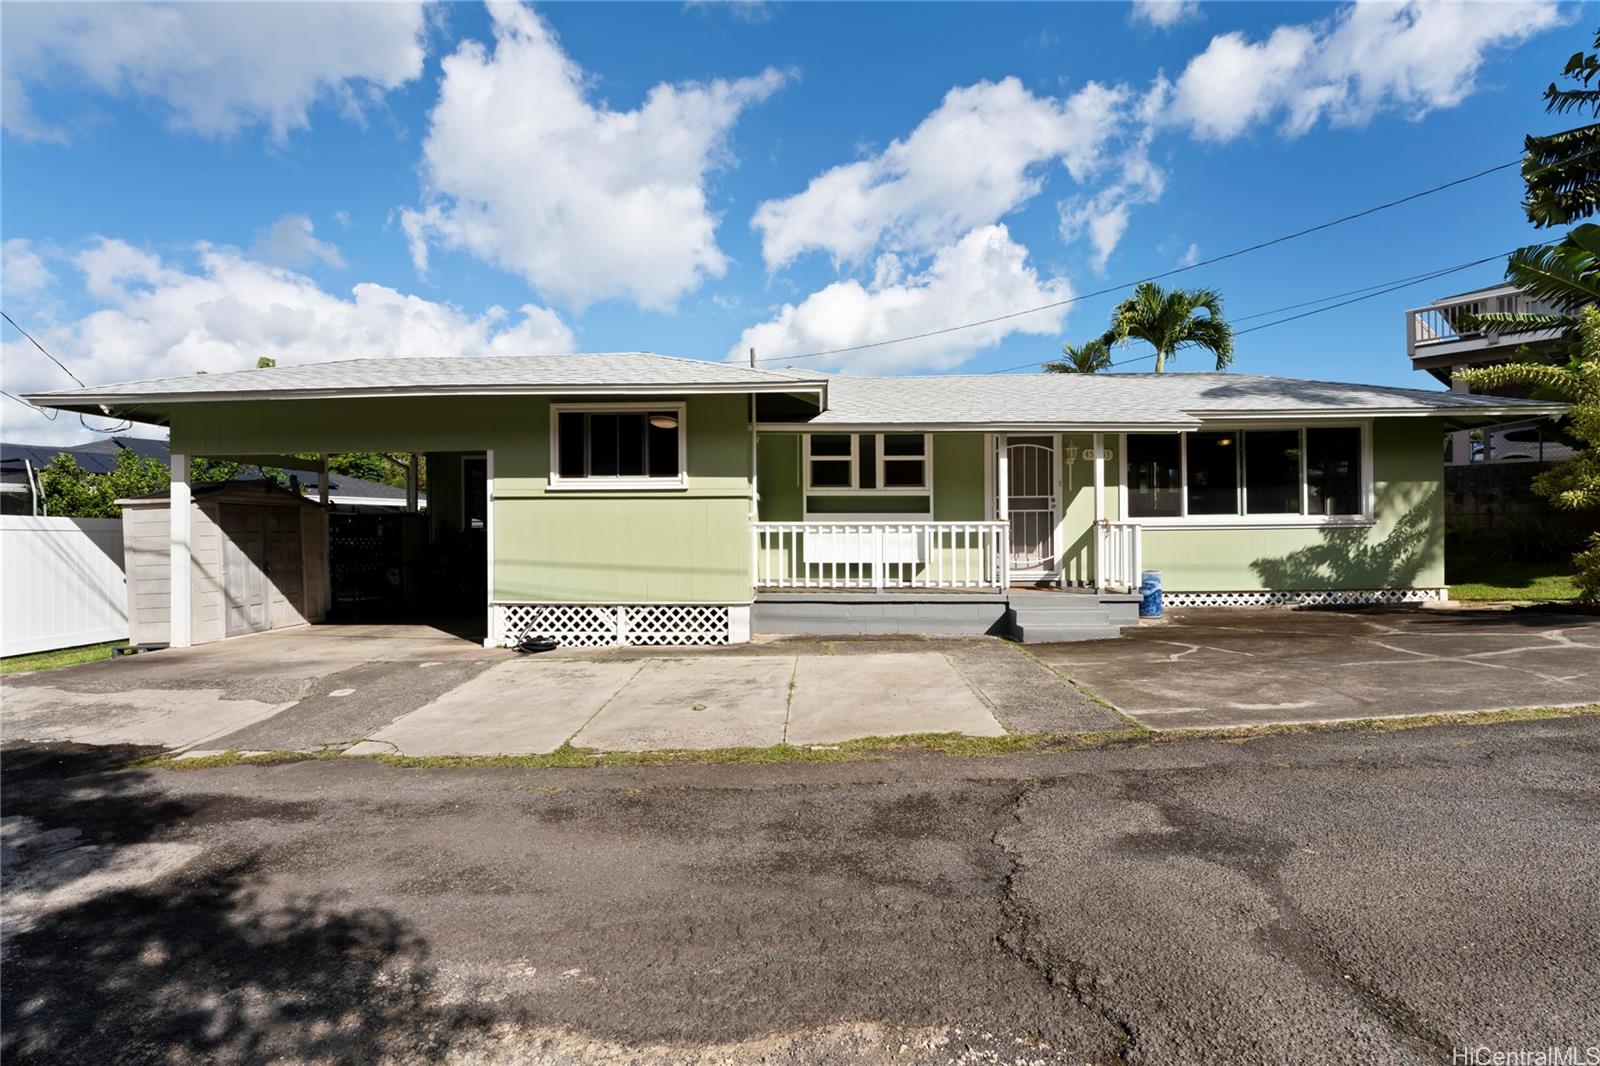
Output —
<point x="189" y="187"/>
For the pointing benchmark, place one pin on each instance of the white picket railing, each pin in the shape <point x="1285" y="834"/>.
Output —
<point x="881" y="555"/>
<point x="1118" y="557"/>
<point x="61" y="583"/>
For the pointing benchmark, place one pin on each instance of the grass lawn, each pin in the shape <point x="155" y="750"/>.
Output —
<point x="49" y="660"/>
<point x="1514" y="579"/>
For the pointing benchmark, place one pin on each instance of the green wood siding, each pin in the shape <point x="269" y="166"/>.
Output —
<point x="1403" y="549"/>
<point x="688" y="546"/>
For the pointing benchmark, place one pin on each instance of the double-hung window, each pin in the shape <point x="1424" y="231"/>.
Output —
<point x="888" y="463"/>
<point x="620" y="446"/>
<point x="1311" y="475"/>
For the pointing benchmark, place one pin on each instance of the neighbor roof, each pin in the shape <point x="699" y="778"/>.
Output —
<point x="625" y="373"/>
<point x="1126" y="401"/>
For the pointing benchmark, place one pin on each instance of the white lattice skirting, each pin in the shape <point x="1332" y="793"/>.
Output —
<point x="1308" y="597"/>
<point x="582" y="625"/>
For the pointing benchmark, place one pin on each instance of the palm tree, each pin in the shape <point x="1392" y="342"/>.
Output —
<point x="1168" y="322"/>
<point x="1085" y="358"/>
<point x="1565" y="277"/>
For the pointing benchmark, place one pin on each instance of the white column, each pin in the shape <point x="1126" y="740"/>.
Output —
<point x="1002" y="507"/>
<point x="322" y="480"/>
<point x="181" y="557"/>
<point x="411" y="485"/>
<point x="1099" y="511"/>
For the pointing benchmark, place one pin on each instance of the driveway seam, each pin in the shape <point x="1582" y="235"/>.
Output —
<point x="643" y="663"/>
<point x="788" y="699"/>
<point x="965" y="680"/>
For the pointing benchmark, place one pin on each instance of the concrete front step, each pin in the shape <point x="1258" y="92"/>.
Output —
<point x="1033" y="633"/>
<point x="1089" y="614"/>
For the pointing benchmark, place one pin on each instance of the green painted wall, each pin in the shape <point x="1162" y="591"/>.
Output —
<point x="688" y="546"/>
<point x="957" y="483"/>
<point x="1404" y="549"/>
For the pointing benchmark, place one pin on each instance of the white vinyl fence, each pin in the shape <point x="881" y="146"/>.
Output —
<point x="61" y="583"/>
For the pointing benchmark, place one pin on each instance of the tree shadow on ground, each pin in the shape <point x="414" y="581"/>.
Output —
<point x="192" y="964"/>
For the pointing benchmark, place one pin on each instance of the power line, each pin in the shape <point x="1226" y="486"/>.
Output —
<point x="1381" y="288"/>
<point x="1258" y="246"/>
<point x="49" y="416"/>
<point x="39" y="346"/>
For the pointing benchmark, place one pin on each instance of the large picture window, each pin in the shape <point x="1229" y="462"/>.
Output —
<point x="1310" y="474"/>
<point x="627" y="446"/>
<point x="887" y="463"/>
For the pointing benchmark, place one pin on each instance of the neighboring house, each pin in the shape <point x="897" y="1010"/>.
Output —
<point x="20" y="465"/>
<point x="648" y="499"/>
<point x="1437" y="341"/>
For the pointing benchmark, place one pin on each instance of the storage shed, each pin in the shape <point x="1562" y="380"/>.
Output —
<point x="258" y="557"/>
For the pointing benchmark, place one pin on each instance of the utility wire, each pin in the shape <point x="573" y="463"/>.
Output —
<point x="1382" y="288"/>
<point x="126" y="424"/>
<point x="39" y="346"/>
<point x="49" y="416"/>
<point x="1258" y="246"/>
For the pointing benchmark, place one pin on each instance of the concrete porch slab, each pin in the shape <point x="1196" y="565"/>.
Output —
<point x="695" y="703"/>
<point x="514" y="708"/>
<point x="840" y="698"/>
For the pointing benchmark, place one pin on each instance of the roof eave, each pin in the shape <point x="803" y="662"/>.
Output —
<point x="89" y="402"/>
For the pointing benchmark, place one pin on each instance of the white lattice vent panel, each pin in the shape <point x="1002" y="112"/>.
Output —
<point x="1309" y="597"/>
<point x="675" y="624"/>
<point x="600" y="625"/>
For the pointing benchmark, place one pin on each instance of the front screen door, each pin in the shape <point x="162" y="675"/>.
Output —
<point x="1032" y="503"/>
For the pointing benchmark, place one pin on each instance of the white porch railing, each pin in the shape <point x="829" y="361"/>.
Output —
<point x="881" y="555"/>
<point x="1118" y="556"/>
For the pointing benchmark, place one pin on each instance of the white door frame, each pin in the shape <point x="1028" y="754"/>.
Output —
<point x="1052" y="571"/>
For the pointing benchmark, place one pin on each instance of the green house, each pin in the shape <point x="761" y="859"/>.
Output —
<point x="640" y="498"/>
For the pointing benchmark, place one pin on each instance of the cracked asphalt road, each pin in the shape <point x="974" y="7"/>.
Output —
<point x="1326" y="897"/>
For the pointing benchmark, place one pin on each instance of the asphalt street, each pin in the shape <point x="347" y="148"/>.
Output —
<point x="1346" y="896"/>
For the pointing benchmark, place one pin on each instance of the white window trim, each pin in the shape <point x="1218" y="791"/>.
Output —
<point x="854" y="458"/>
<point x="1368" y="516"/>
<point x="557" y="483"/>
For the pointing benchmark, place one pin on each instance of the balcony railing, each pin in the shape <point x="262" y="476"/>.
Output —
<point x="1448" y="321"/>
<point x="881" y="555"/>
<point x="1120" y="556"/>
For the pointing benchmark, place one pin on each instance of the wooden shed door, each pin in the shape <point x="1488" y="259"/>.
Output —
<point x="285" y="580"/>
<point x="244" y="581"/>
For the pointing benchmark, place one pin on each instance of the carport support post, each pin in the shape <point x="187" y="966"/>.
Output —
<point x="322" y="480"/>
<point x="181" y="632"/>
<point x="411" y="485"/>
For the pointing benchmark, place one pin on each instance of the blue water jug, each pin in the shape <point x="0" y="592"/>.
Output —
<point x="1150" y="594"/>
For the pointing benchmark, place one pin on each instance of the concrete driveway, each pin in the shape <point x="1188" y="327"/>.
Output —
<point x="414" y="690"/>
<point x="1253" y="667"/>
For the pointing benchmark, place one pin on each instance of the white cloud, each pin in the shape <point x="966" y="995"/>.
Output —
<point x="1411" y="58"/>
<point x="1191" y="256"/>
<point x="984" y="273"/>
<point x="23" y="273"/>
<point x="162" y="320"/>
<point x="982" y="153"/>
<point x="292" y="242"/>
<point x="585" y="202"/>
<point x="1164" y="14"/>
<point x="216" y="67"/>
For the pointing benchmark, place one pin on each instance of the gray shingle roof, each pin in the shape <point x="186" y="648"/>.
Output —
<point x="1043" y="400"/>
<point x="610" y="372"/>
<point x="1127" y="399"/>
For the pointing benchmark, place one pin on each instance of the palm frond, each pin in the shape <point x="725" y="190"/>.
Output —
<point x="1510" y="325"/>
<point x="1563" y="275"/>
